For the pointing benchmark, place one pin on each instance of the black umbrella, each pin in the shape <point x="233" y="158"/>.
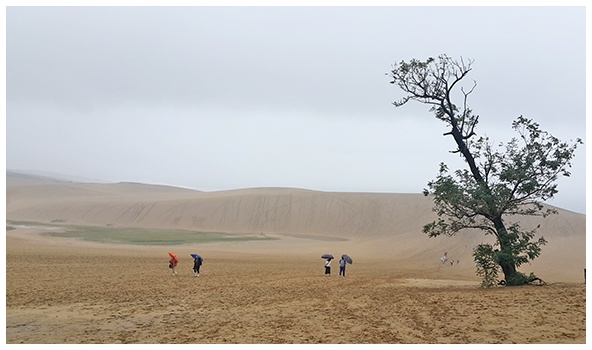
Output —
<point x="347" y="259"/>
<point x="327" y="256"/>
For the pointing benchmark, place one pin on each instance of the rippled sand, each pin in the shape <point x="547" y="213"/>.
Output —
<point x="67" y="291"/>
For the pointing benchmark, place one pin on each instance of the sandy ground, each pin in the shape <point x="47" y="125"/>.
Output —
<point x="69" y="291"/>
<point x="65" y="291"/>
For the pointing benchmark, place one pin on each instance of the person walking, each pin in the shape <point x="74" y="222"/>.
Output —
<point x="328" y="267"/>
<point x="342" y="267"/>
<point x="173" y="263"/>
<point x="196" y="265"/>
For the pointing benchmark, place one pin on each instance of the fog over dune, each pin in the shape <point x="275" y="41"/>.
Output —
<point x="228" y="97"/>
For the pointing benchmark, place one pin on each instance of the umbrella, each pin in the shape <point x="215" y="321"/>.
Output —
<point x="173" y="256"/>
<point x="327" y="256"/>
<point x="196" y="256"/>
<point x="347" y="259"/>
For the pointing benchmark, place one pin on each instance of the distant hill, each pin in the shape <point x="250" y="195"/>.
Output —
<point x="281" y="210"/>
<point x="284" y="210"/>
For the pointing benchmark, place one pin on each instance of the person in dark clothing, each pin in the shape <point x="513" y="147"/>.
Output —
<point x="196" y="265"/>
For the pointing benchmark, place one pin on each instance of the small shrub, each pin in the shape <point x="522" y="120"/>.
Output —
<point x="487" y="267"/>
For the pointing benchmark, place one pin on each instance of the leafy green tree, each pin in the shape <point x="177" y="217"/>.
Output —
<point x="507" y="179"/>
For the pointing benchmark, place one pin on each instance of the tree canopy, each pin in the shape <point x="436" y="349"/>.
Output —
<point x="501" y="180"/>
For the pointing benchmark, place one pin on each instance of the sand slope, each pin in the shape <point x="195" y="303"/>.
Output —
<point x="367" y="224"/>
<point x="61" y="290"/>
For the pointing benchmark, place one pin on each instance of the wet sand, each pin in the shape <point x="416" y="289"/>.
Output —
<point x="62" y="290"/>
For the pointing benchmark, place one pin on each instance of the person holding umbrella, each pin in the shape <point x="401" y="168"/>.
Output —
<point x="329" y="257"/>
<point x="328" y="267"/>
<point x="344" y="259"/>
<point x="197" y="261"/>
<point x="173" y="263"/>
<point x="342" y="267"/>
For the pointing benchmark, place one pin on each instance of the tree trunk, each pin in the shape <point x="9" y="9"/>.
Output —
<point x="509" y="270"/>
<point x="506" y="258"/>
<point x="506" y="261"/>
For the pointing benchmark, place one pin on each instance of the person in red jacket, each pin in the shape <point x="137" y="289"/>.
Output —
<point x="173" y="263"/>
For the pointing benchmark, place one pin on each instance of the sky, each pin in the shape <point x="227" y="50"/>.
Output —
<point x="218" y="98"/>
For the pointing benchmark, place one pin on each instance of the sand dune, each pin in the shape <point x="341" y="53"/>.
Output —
<point x="62" y="290"/>
<point x="242" y="211"/>
<point x="372" y="224"/>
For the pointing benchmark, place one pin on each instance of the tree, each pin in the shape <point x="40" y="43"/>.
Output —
<point x="500" y="181"/>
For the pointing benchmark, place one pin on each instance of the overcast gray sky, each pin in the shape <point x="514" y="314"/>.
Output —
<point x="225" y="98"/>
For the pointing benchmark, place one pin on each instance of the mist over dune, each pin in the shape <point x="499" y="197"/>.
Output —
<point x="383" y="225"/>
